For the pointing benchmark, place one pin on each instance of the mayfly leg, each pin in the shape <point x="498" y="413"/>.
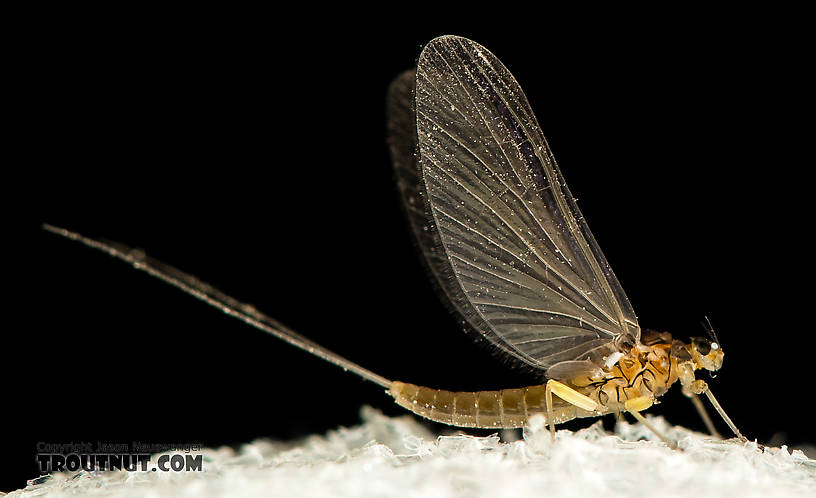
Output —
<point x="569" y="395"/>
<point x="573" y="397"/>
<point x="700" y="386"/>
<point x="640" y="418"/>
<point x="722" y="413"/>
<point x="695" y="400"/>
<point x="217" y="299"/>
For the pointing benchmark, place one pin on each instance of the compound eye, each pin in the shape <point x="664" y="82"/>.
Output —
<point x="703" y="346"/>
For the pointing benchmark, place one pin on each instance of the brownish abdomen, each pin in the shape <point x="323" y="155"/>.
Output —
<point x="508" y="408"/>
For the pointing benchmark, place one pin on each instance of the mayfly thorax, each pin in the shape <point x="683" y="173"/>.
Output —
<point x="512" y="254"/>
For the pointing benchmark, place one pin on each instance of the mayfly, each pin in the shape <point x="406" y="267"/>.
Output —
<point x="507" y="245"/>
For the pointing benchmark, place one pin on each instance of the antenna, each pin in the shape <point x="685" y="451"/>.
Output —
<point x="710" y="330"/>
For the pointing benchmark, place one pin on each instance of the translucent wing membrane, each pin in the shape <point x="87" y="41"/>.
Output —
<point x="505" y="238"/>
<point x="402" y="139"/>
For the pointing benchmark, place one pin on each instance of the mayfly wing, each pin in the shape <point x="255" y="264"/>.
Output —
<point x="515" y="241"/>
<point x="402" y="141"/>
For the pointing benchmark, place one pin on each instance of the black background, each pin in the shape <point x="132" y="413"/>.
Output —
<point x="253" y="155"/>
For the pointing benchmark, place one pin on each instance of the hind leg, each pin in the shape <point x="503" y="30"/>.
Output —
<point x="569" y="395"/>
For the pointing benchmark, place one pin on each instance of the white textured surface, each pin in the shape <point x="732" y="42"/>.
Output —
<point x="398" y="457"/>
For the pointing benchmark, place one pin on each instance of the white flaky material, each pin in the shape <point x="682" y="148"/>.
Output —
<point x="398" y="457"/>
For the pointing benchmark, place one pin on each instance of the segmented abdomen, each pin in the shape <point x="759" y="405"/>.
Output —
<point x="508" y="408"/>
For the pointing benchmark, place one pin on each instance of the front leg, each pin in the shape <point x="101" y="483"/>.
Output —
<point x="700" y="386"/>
<point x="698" y="405"/>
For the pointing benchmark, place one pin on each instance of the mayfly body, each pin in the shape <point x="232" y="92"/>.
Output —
<point x="504" y="238"/>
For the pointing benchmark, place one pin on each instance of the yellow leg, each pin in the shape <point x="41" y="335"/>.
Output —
<point x="700" y="387"/>
<point x="695" y="400"/>
<point x="569" y="395"/>
<point x="635" y="406"/>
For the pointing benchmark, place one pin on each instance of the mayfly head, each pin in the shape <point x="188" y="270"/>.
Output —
<point x="706" y="353"/>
